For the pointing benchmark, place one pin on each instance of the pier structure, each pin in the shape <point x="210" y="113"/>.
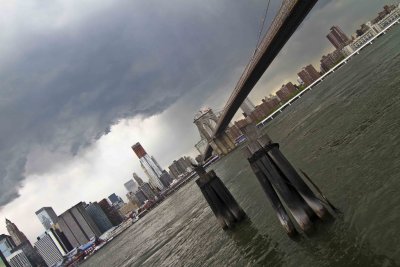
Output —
<point x="287" y="191"/>
<point x="222" y="203"/>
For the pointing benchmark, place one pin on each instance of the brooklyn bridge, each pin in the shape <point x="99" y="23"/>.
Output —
<point x="213" y="129"/>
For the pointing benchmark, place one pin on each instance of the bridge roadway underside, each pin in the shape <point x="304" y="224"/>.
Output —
<point x="298" y="13"/>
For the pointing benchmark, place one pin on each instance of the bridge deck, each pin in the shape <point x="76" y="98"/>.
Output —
<point x="288" y="19"/>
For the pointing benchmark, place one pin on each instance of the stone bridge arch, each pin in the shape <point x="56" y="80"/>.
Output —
<point x="206" y="122"/>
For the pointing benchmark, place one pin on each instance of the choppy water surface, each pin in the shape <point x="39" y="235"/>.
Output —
<point x="346" y="135"/>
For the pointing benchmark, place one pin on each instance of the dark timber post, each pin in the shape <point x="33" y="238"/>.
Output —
<point x="221" y="201"/>
<point x="282" y="183"/>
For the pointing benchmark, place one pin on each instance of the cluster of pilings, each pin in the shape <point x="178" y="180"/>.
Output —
<point x="294" y="200"/>
<point x="297" y="203"/>
<point x="221" y="201"/>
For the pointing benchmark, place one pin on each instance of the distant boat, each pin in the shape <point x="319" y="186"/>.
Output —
<point x="135" y="219"/>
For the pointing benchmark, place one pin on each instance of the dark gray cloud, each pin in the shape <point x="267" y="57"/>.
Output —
<point x="66" y="79"/>
<point x="64" y="86"/>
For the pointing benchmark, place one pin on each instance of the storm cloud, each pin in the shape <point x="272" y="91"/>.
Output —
<point x="72" y="71"/>
<point x="68" y="77"/>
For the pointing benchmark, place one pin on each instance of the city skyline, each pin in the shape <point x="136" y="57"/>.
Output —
<point x="124" y="129"/>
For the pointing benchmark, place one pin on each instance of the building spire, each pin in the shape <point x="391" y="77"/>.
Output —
<point x="17" y="236"/>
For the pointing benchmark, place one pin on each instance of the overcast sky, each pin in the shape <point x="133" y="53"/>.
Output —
<point x="81" y="81"/>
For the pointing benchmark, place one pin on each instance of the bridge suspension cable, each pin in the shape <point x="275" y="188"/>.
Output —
<point x="274" y="27"/>
<point x="262" y="27"/>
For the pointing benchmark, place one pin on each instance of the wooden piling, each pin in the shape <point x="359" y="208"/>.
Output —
<point x="221" y="201"/>
<point x="280" y="161"/>
<point x="282" y="183"/>
<point x="273" y="198"/>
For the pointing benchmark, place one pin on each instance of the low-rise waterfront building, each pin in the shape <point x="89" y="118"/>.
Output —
<point x="128" y="208"/>
<point x="180" y="166"/>
<point x="373" y="28"/>
<point x="361" y="40"/>
<point x="286" y="91"/>
<point x="308" y="75"/>
<point x="330" y="60"/>
<point x="392" y="14"/>
<point x="269" y="104"/>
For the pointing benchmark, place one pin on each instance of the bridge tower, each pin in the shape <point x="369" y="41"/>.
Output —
<point x="206" y="121"/>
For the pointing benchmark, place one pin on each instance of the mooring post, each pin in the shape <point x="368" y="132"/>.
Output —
<point x="272" y="196"/>
<point x="282" y="183"/>
<point x="221" y="201"/>
<point x="260" y="161"/>
<point x="295" y="179"/>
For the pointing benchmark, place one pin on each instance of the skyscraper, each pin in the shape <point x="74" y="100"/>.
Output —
<point x="6" y="245"/>
<point x="77" y="225"/>
<point x="165" y="178"/>
<point x="247" y="107"/>
<point x="112" y="214"/>
<point x="59" y="238"/>
<point x="22" y="243"/>
<point x="17" y="236"/>
<point x="132" y="198"/>
<point x="114" y="198"/>
<point x="48" y="249"/>
<point x="49" y="220"/>
<point x="131" y="186"/>
<point x="3" y="260"/>
<point x="138" y="179"/>
<point x="147" y="191"/>
<point x="99" y="217"/>
<point x="337" y="37"/>
<point x="150" y="166"/>
<point x="141" y="197"/>
<point x="47" y="217"/>
<point x="18" y="258"/>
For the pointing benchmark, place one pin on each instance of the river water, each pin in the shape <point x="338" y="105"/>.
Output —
<point x="345" y="134"/>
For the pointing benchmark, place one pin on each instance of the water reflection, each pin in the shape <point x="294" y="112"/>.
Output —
<point x="338" y="245"/>
<point x="257" y="248"/>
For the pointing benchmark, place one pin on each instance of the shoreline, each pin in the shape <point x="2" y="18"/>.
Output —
<point x="270" y="117"/>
